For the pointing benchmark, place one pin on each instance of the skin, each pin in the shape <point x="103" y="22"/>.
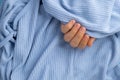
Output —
<point x="75" y="35"/>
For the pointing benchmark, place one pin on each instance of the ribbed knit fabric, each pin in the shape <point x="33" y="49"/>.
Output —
<point x="32" y="45"/>
<point x="0" y="1"/>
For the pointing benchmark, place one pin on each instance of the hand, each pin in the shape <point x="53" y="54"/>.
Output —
<point x="76" y="35"/>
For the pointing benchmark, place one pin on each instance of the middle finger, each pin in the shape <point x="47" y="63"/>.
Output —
<point x="78" y="37"/>
<point x="68" y="36"/>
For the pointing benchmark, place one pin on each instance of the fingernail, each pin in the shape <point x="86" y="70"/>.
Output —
<point x="77" y="25"/>
<point x="83" y="29"/>
<point x="73" y="21"/>
<point x="87" y="36"/>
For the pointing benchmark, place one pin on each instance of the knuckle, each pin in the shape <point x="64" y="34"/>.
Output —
<point x="78" y="36"/>
<point x="74" y="31"/>
<point x="67" y="38"/>
<point x="68" y="26"/>
<point x="73" y="44"/>
<point x="81" y="46"/>
<point x="63" y="30"/>
<point x="86" y="37"/>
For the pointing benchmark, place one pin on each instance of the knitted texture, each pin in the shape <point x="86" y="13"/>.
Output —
<point x="32" y="45"/>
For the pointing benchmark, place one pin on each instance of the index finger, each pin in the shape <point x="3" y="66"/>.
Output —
<point x="68" y="26"/>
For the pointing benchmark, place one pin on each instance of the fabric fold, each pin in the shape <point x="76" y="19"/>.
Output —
<point x="8" y="33"/>
<point x="99" y="17"/>
<point x="39" y="51"/>
<point x="8" y="13"/>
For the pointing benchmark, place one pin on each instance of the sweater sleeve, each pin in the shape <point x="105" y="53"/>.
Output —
<point x="100" y="17"/>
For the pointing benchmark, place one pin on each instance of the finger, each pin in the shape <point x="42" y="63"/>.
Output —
<point x="90" y="42"/>
<point x="68" y="36"/>
<point x="67" y="27"/>
<point x="78" y="37"/>
<point x="84" y="41"/>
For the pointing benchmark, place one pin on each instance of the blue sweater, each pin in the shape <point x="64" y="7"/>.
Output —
<point x="32" y="45"/>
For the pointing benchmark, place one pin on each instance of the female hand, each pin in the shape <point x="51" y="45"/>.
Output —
<point x="75" y="35"/>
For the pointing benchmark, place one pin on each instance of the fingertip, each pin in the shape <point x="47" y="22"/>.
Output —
<point x="90" y="42"/>
<point x="87" y="36"/>
<point x="73" y="21"/>
<point x="83" y="28"/>
<point x="63" y="29"/>
<point x="77" y="25"/>
<point x="67" y="38"/>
